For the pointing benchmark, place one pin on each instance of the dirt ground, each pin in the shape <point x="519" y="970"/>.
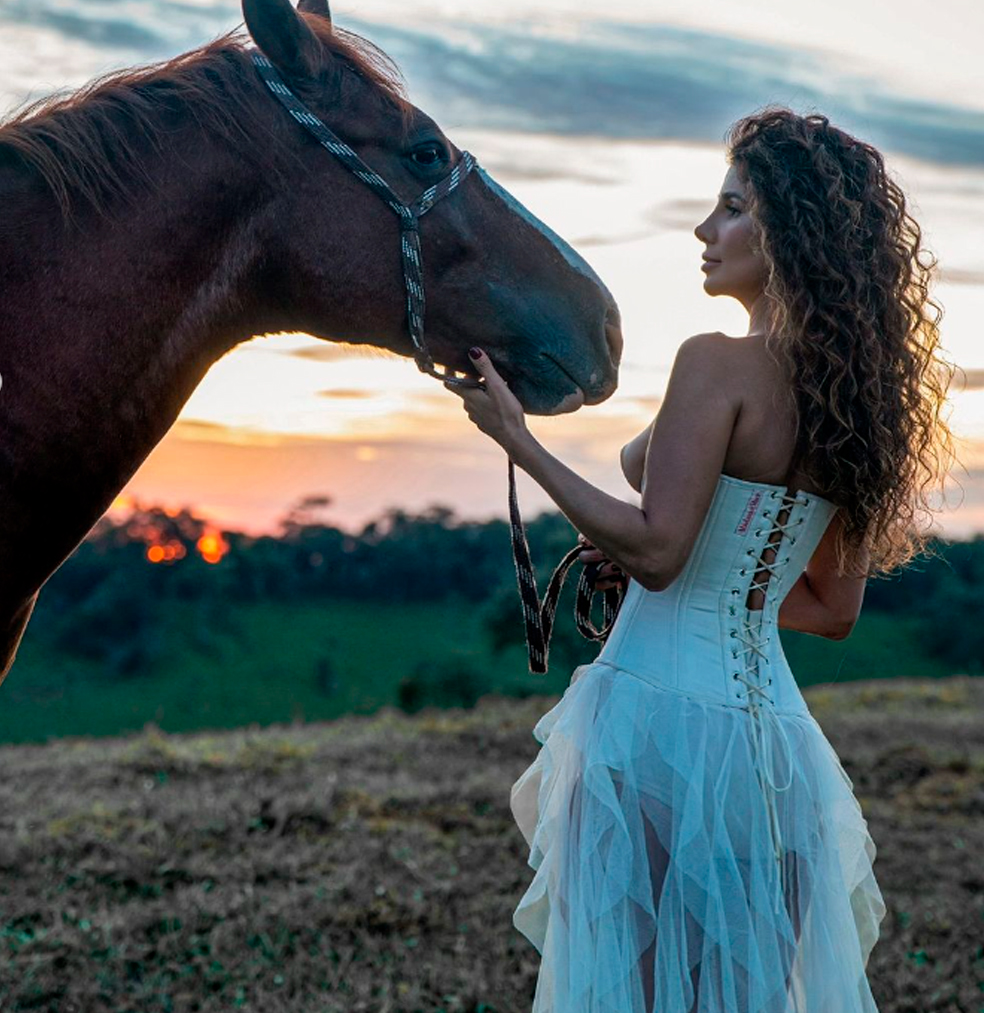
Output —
<point x="372" y="864"/>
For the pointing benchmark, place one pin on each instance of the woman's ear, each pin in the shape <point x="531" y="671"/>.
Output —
<point x="283" y="35"/>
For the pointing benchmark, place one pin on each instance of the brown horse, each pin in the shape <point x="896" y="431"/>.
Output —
<point x="160" y="216"/>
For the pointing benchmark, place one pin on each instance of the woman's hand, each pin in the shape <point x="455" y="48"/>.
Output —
<point x="609" y="573"/>
<point x="495" y="410"/>
<point x="499" y="414"/>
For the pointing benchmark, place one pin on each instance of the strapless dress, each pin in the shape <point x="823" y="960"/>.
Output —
<point x="697" y="844"/>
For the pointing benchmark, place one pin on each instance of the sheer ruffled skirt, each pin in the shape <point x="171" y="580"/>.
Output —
<point x="656" y="880"/>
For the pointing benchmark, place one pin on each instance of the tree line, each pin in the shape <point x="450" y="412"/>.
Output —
<point x="108" y="600"/>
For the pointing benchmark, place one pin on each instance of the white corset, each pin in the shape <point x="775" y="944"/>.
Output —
<point x="698" y="637"/>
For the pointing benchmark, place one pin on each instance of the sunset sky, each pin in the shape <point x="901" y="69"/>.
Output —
<point x="605" y="121"/>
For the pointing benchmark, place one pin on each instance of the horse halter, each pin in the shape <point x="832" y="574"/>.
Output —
<point x="409" y="214"/>
<point x="538" y="615"/>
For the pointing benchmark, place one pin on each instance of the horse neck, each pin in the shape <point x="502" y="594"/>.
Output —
<point x="108" y="321"/>
<point x="163" y="262"/>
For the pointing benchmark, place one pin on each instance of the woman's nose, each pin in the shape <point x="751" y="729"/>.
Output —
<point x="701" y="232"/>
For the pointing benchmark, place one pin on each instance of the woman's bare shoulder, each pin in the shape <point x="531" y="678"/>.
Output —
<point x="742" y="364"/>
<point x="708" y="341"/>
<point x="710" y="350"/>
<point x="717" y="343"/>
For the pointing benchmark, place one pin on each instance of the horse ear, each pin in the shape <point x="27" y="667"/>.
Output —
<point x="286" y="40"/>
<point x="319" y="7"/>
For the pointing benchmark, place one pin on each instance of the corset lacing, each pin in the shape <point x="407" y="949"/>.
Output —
<point x="750" y="636"/>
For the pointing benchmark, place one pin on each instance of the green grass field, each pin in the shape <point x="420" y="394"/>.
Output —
<point x="267" y="665"/>
<point x="278" y="663"/>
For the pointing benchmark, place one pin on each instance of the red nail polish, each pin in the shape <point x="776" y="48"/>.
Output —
<point x="474" y="352"/>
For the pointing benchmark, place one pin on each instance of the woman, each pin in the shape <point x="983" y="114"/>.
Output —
<point x="696" y="841"/>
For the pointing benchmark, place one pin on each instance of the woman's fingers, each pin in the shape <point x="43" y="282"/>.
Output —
<point x="597" y="556"/>
<point x="608" y="575"/>
<point x="609" y="571"/>
<point x="591" y="556"/>
<point x="604" y="585"/>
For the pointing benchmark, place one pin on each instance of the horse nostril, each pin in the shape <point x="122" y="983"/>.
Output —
<point x="613" y="335"/>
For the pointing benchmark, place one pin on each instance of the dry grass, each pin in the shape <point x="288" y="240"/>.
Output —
<point x="372" y="864"/>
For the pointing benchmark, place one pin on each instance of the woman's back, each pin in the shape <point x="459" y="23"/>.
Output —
<point x="764" y="437"/>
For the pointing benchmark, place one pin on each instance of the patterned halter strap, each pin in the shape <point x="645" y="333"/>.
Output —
<point x="409" y="214"/>
<point x="538" y="617"/>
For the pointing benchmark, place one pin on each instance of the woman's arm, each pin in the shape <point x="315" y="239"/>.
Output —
<point x="684" y="458"/>
<point x="822" y="602"/>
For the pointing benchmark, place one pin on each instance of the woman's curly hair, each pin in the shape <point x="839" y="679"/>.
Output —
<point x="854" y="327"/>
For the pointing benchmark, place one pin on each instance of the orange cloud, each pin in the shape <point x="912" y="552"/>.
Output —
<point x="345" y="393"/>
<point x="339" y="351"/>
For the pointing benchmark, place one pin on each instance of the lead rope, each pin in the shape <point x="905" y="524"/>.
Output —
<point x="539" y="616"/>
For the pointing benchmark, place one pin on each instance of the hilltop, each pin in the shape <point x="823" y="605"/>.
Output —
<point x="372" y="864"/>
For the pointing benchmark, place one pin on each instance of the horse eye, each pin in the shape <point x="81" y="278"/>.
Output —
<point x="429" y="156"/>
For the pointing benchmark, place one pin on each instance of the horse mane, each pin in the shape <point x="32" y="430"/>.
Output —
<point x="82" y="144"/>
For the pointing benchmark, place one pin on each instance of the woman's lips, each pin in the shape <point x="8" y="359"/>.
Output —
<point x="708" y="264"/>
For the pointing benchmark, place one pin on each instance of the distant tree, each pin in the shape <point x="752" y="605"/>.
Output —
<point x="118" y="625"/>
<point x="908" y="590"/>
<point x="305" y="513"/>
<point x="949" y="606"/>
<point x="111" y="600"/>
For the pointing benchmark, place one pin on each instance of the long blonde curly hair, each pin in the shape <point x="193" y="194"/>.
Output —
<point x="853" y="327"/>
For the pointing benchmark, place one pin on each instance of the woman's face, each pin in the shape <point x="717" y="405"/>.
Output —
<point x="733" y="265"/>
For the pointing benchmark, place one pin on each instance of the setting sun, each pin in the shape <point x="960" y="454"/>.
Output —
<point x="212" y="546"/>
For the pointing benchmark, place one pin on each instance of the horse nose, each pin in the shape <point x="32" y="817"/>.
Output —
<point x="603" y="382"/>
<point x="613" y="335"/>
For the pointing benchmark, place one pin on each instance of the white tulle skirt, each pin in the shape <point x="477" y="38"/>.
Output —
<point x="656" y="875"/>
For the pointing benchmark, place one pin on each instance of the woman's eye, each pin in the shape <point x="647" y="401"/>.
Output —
<point x="733" y="211"/>
<point x="429" y="156"/>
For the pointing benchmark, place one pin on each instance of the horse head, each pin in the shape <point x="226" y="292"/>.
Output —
<point x="494" y="275"/>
